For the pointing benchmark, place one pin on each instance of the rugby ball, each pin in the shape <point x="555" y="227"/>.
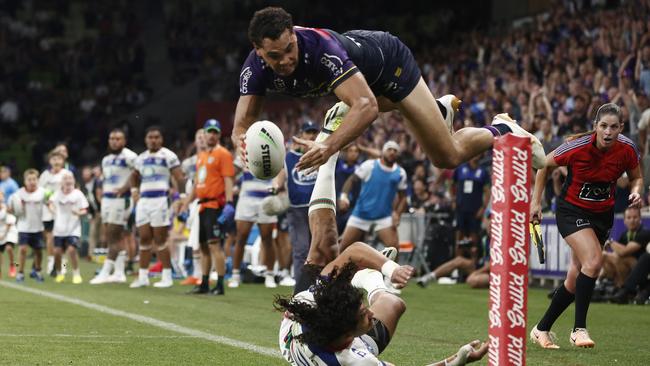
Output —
<point x="264" y="146"/>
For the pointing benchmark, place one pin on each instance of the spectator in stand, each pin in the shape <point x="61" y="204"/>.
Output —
<point x="420" y="199"/>
<point x="620" y="256"/>
<point x="638" y="278"/>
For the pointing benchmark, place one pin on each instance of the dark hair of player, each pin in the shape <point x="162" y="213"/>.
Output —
<point x="337" y="306"/>
<point x="153" y="128"/>
<point x="269" y="22"/>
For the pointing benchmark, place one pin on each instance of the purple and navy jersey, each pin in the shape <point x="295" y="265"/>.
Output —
<point x="323" y="64"/>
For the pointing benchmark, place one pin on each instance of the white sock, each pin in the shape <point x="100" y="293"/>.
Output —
<point x="370" y="280"/>
<point x="143" y="274"/>
<point x="50" y="263"/>
<point x="167" y="274"/>
<point x="76" y="272"/>
<point x="196" y="265"/>
<point x="107" y="267"/>
<point x="120" y="261"/>
<point x="324" y="193"/>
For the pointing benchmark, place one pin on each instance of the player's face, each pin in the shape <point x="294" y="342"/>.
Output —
<point x="116" y="141"/>
<point x="632" y="219"/>
<point x="607" y="130"/>
<point x="153" y="140"/>
<point x="352" y="154"/>
<point x="212" y="138"/>
<point x="365" y="320"/>
<point x="4" y="173"/>
<point x="280" y="54"/>
<point x="390" y="156"/>
<point x="309" y="135"/>
<point x="31" y="182"/>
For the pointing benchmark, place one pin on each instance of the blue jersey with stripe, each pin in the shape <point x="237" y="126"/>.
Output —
<point x="299" y="184"/>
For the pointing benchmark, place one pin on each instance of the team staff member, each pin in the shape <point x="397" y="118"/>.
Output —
<point x="213" y="185"/>
<point x="585" y="213"/>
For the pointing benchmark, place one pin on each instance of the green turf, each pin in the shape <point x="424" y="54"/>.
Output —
<point x="35" y="330"/>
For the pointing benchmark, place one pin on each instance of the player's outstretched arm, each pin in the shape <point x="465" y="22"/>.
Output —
<point x="356" y="93"/>
<point x="248" y="111"/>
<point x="365" y="256"/>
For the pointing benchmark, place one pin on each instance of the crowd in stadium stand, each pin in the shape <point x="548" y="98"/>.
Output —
<point x="550" y="72"/>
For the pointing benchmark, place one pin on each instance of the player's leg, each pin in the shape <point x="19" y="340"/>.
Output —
<point x="388" y="235"/>
<point x="586" y="246"/>
<point x="623" y="267"/>
<point x="243" y="230"/>
<point x="22" y="255"/>
<point x="49" y="246"/>
<point x="12" y="260"/>
<point x="355" y="230"/>
<point x="146" y="245"/>
<point x="266" y="236"/>
<point x="219" y="262"/>
<point x="205" y="219"/>
<point x="461" y="263"/>
<point x="478" y="279"/>
<point x="160" y="235"/>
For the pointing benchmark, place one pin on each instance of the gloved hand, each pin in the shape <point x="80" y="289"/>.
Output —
<point x="227" y="214"/>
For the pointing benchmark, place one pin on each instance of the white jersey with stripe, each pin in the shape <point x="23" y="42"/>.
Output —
<point x="51" y="181"/>
<point x="31" y="221"/>
<point x="116" y="169"/>
<point x="360" y="352"/>
<point x="155" y="169"/>
<point x="66" y="223"/>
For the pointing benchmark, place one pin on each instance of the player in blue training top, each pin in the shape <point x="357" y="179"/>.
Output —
<point x="369" y="71"/>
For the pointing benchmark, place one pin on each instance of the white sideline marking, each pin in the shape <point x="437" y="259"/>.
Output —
<point x="149" y="321"/>
<point x="99" y="336"/>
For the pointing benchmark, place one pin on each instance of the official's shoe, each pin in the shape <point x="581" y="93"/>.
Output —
<point x="76" y="279"/>
<point x="544" y="339"/>
<point x="539" y="157"/>
<point x="234" y="281"/>
<point x="217" y="291"/>
<point x="59" y="278"/>
<point x="39" y="277"/>
<point x="580" y="338"/>
<point x="191" y="281"/>
<point x="452" y="105"/>
<point x="287" y="281"/>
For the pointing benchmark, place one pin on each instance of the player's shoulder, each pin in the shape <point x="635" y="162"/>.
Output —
<point x="574" y="144"/>
<point x="128" y="153"/>
<point x="627" y="143"/>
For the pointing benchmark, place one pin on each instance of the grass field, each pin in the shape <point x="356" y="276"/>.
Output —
<point x="166" y="327"/>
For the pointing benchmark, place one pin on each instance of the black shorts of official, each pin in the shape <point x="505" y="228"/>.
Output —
<point x="64" y="242"/>
<point x="209" y="229"/>
<point x="467" y="223"/>
<point x="571" y="218"/>
<point x="5" y="245"/>
<point x="48" y="225"/>
<point x="379" y="333"/>
<point x="400" y="73"/>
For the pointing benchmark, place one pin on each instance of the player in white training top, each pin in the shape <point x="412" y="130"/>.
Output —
<point x="50" y="180"/>
<point x="28" y="205"/>
<point x="68" y="204"/>
<point x="8" y="234"/>
<point x="117" y="167"/>
<point x="153" y="170"/>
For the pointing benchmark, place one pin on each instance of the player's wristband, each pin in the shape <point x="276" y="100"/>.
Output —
<point x="388" y="268"/>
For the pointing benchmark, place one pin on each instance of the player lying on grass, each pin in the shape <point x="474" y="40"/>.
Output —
<point x="328" y="323"/>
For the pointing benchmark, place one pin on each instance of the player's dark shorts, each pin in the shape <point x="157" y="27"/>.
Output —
<point x="4" y="245"/>
<point x="283" y="223"/>
<point x="65" y="241"/>
<point x="387" y="64"/>
<point x="48" y="225"/>
<point x="34" y="240"/>
<point x="467" y="223"/>
<point x="379" y="333"/>
<point x="130" y="223"/>
<point x="209" y="229"/>
<point x="571" y="219"/>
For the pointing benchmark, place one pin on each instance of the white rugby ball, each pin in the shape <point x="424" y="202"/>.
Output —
<point x="264" y="149"/>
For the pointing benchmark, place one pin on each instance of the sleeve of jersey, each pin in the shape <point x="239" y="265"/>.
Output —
<point x="83" y="201"/>
<point x="402" y="182"/>
<point x="335" y="63"/>
<point x="251" y="77"/>
<point x="227" y="166"/>
<point x="562" y="154"/>
<point x="172" y="160"/>
<point x="363" y="170"/>
<point x="634" y="157"/>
